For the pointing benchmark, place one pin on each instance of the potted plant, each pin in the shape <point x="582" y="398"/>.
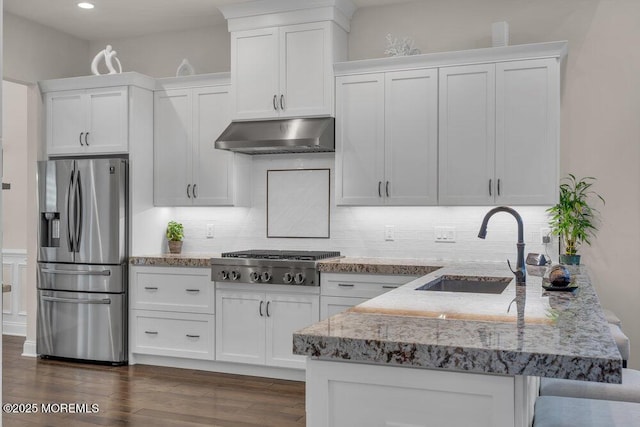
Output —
<point x="175" y="234"/>
<point x="573" y="219"/>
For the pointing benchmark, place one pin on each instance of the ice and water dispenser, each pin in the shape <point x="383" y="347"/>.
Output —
<point x="50" y="229"/>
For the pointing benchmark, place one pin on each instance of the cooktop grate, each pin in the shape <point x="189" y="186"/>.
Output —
<point x="288" y="255"/>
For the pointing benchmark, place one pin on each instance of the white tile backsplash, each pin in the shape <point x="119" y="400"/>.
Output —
<point x="359" y="231"/>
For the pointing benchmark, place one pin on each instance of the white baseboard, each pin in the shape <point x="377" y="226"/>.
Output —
<point x="224" y="367"/>
<point x="29" y="349"/>
<point x="14" y="328"/>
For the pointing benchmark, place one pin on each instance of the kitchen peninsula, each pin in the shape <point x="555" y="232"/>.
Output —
<point x="479" y="352"/>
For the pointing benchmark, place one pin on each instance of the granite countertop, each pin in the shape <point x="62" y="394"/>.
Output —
<point x="174" y="260"/>
<point x="410" y="267"/>
<point x="522" y="331"/>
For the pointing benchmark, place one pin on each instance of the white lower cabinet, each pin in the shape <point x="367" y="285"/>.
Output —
<point x="256" y="323"/>
<point x="340" y="291"/>
<point x="172" y="312"/>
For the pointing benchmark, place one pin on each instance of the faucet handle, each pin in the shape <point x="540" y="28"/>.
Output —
<point x="509" y="264"/>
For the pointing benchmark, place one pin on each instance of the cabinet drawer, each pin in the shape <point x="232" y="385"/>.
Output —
<point x="360" y="285"/>
<point x="173" y="334"/>
<point x="330" y="306"/>
<point x="172" y="289"/>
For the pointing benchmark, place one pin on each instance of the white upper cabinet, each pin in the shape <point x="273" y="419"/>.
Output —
<point x="386" y="138"/>
<point x="188" y="170"/>
<point x="467" y="135"/>
<point x="90" y="121"/>
<point x="499" y="133"/>
<point x="284" y="71"/>
<point x="527" y="132"/>
<point x="359" y="139"/>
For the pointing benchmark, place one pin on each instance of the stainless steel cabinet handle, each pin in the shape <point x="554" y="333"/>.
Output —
<point x="193" y="336"/>
<point x="80" y="139"/>
<point x="188" y="188"/>
<point x="379" y="191"/>
<point x="490" y="182"/>
<point x="260" y="309"/>
<point x="387" y="188"/>
<point x="498" y="186"/>
<point x="268" y="302"/>
<point x="77" y="272"/>
<point x="346" y="285"/>
<point x="195" y="195"/>
<point x="282" y="102"/>
<point x="151" y="332"/>
<point x="275" y="99"/>
<point x="192" y="290"/>
<point x="150" y="288"/>
<point x="86" y="142"/>
<point x="389" y="287"/>
<point x="78" y="301"/>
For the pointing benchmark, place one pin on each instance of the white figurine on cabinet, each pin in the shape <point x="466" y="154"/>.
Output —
<point x="108" y="54"/>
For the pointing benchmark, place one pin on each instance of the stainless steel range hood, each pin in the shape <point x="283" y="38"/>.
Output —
<point x="307" y="135"/>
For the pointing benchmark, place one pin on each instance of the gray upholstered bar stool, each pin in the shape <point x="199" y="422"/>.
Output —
<point x="622" y="341"/>
<point x="628" y="391"/>
<point x="552" y="411"/>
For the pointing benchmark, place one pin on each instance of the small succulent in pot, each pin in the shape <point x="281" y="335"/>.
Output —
<point x="175" y="234"/>
<point x="573" y="219"/>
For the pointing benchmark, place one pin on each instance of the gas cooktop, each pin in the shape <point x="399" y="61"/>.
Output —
<point x="270" y="267"/>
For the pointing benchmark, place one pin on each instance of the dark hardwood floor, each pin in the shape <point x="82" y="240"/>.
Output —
<point x="143" y="395"/>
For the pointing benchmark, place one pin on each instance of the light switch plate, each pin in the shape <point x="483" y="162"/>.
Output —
<point x="444" y="234"/>
<point x="210" y="231"/>
<point x="389" y="233"/>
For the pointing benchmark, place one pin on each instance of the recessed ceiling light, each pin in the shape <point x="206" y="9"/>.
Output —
<point x="85" y="5"/>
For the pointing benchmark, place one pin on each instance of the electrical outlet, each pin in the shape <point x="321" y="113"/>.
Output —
<point x="210" y="231"/>
<point x="390" y="233"/>
<point x="445" y="234"/>
<point x="546" y="235"/>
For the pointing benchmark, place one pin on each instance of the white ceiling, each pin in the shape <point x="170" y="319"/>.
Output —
<point x="112" y="19"/>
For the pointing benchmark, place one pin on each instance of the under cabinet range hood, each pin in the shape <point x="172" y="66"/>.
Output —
<point x="304" y="135"/>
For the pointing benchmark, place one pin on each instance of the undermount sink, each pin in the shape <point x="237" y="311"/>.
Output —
<point x="476" y="285"/>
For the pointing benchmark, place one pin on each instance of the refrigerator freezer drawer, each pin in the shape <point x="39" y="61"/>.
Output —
<point x="80" y="325"/>
<point x="82" y="278"/>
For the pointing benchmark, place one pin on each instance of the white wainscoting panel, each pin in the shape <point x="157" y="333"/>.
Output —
<point x="14" y="303"/>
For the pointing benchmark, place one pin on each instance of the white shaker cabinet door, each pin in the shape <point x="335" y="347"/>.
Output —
<point x="411" y="137"/>
<point x="107" y="129"/>
<point x="306" y="70"/>
<point x="212" y="168"/>
<point x="360" y="140"/>
<point x="285" y="314"/>
<point x="65" y="122"/>
<point x="467" y="135"/>
<point x="172" y="148"/>
<point x="240" y="330"/>
<point x="527" y="132"/>
<point x="254" y="77"/>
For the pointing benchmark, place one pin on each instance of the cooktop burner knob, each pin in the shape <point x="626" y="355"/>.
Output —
<point x="266" y="276"/>
<point x="225" y="275"/>
<point x="254" y="276"/>
<point x="288" y="278"/>
<point x="299" y="278"/>
<point x="235" y="275"/>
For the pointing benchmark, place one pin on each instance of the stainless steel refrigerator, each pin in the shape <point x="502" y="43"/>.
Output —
<point x="82" y="256"/>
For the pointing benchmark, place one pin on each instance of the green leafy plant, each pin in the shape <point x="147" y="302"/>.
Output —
<point x="175" y="231"/>
<point x="573" y="219"/>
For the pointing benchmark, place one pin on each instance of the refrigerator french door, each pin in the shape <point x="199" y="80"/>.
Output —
<point x="82" y="271"/>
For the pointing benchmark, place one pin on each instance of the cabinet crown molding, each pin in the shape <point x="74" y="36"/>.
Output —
<point x="196" y="80"/>
<point x="129" y="78"/>
<point x="268" y="13"/>
<point x="556" y="50"/>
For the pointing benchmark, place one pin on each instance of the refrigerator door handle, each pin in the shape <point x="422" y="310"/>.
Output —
<point x="70" y="194"/>
<point x="78" y="301"/>
<point x="76" y="272"/>
<point x="78" y="212"/>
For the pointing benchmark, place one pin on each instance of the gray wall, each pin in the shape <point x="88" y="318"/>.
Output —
<point x="34" y="52"/>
